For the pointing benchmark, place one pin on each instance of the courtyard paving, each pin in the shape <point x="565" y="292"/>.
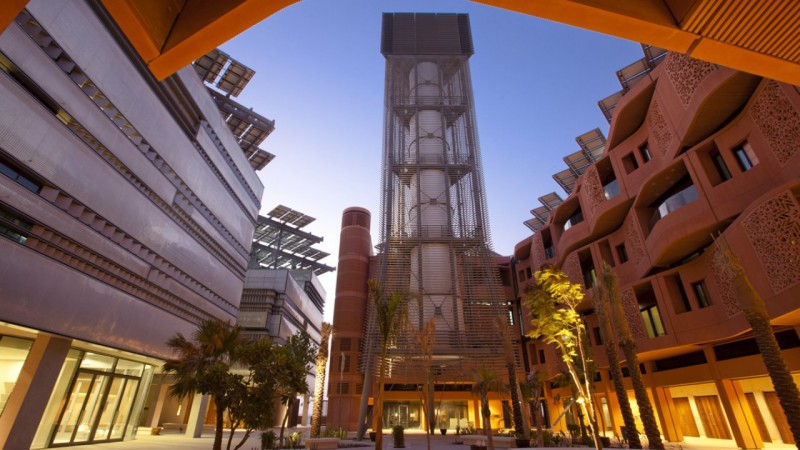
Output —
<point x="414" y="441"/>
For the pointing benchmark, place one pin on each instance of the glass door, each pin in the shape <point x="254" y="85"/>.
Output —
<point x="84" y="403"/>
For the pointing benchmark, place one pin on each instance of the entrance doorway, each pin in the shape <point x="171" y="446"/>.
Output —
<point x="98" y="404"/>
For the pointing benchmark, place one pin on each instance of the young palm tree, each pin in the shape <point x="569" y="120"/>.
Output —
<point x="296" y="356"/>
<point x="755" y="311"/>
<point x="326" y="330"/>
<point x="628" y="345"/>
<point x="536" y="381"/>
<point x="487" y="381"/>
<point x="511" y="367"/>
<point x="203" y="365"/>
<point x="386" y="309"/>
<point x="607" y="287"/>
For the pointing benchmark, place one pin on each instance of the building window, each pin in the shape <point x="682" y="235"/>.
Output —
<point x="622" y="254"/>
<point x="679" y="195"/>
<point x="342" y="388"/>
<point x="644" y="150"/>
<point x="13" y="227"/>
<point x="652" y="321"/>
<point x="683" y="297"/>
<point x="598" y="339"/>
<point x="574" y="219"/>
<point x="13" y="352"/>
<point x="700" y="292"/>
<point x="630" y="163"/>
<point x="541" y="357"/>
<point x="529" y="272"/>
<point x="719" y="164"/>
<point x="8" y="169"/>
<point x="745" y="157"/>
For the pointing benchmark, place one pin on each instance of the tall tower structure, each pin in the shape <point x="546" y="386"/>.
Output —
<point x="434" y="240"/>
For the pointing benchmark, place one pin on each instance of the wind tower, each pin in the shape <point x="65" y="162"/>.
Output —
<point x="434" y="240"/>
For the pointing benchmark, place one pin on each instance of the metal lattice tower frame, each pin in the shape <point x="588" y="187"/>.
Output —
<point x="434" y="242"/>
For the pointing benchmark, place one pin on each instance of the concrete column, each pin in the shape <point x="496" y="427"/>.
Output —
<point x="162" y="396"/>
<point x="28" y="400"/>
<point x="304" y="421"/>
<point x="667" y="414"/>
<point x="664" y="406"/>
<point x="740" y="418"/>
<point x="742" y="423"/>
<point x="197" y="415"/>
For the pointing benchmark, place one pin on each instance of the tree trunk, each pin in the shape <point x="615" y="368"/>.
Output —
<point x="629" y="348"/>
<point x="538" y="419"/>
<point x="757" y="315"/>
<point x="487" y="421"/>
<point x="607" y="333"/>
<point x="285" y="421"/>
<point x="244" y="439"/>
<point x="319" y="391"/>
<point x="220" y="422"/>
<point x="319" y="386"/>
<point x="379" y="404"/>
<point x="517" y="411"/>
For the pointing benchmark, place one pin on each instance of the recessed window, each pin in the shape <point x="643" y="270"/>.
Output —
<point x="8" y="169"/>
<point x="630" y="163"/>
<point x="644" y="150"/>
<point x="652" y="322"/>
<point x="541" y="357"/>
<point x="13" y="227"/>
<point x="622" y="254"/>
<point x="745" y="157"/>
<point x="529" y="272"/>
<point x="574" y="219"/>
<point x="719" y="164"/>
<point x="598" y="338"/>
<point x="700" y="292"/>
<point x="683" y="297"/>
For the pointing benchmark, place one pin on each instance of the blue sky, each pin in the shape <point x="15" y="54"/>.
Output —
<point x="320" y="76"/>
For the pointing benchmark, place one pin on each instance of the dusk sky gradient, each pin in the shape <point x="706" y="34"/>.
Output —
<point x="320" y="76"/>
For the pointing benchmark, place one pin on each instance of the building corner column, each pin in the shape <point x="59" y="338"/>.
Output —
<point x="29" y="398"/>
<point x="740" y="418"/>
<point x="197" y="415"/>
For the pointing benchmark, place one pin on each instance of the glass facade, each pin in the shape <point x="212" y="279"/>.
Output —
<point x="13" y="352"/>
<point x="97" y="398"/>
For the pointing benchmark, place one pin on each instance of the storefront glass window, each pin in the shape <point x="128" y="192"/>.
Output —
<point x="13" y="352"/>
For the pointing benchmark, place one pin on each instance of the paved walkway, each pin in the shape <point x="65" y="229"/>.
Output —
<point x="414" y="441"/>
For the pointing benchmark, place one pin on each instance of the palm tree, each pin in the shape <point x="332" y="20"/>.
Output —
<point x="386" y="309"/>
<point x="295" y="357"/>
<point x="755" y="311"/>
<point x="203" y="365"/>
<point x="487" y="381"/>
<point x="628" y="345"/>
<point x="504" y="329"/>
<point x="536" y="381"/>
<point x="319" y="386"/>
<point x="606" y="288"/>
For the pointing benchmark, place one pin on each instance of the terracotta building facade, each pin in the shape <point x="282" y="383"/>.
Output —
<point x="695" y="152"/>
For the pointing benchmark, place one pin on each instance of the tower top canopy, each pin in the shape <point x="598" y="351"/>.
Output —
<point x="426" y="34"/>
